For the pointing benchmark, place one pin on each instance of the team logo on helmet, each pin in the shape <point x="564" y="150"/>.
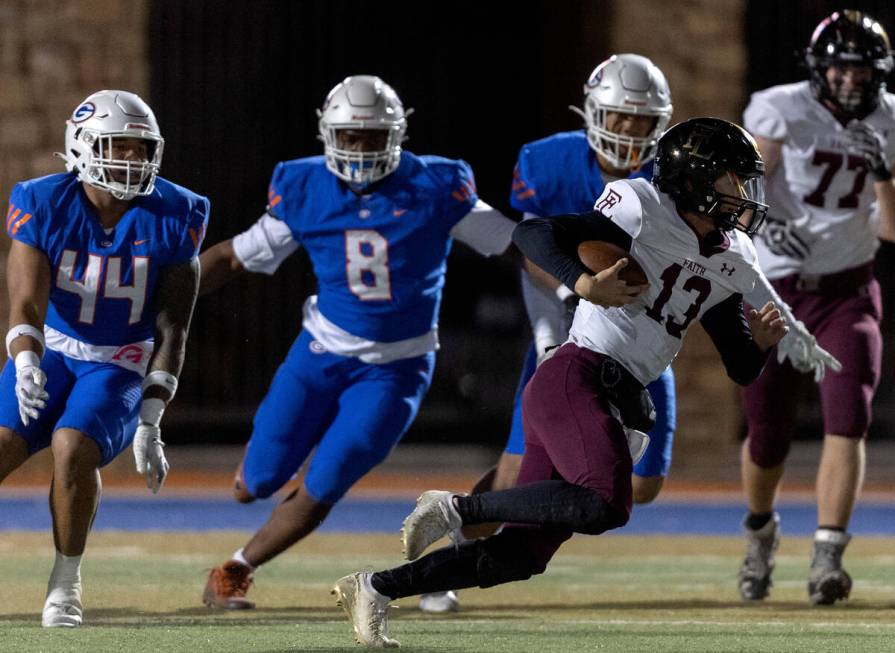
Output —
<point x="83" y="112"/>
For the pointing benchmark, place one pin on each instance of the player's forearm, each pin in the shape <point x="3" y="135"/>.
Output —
<point x="220" y="266"/>
<point x="28" y="281"/>
<point x="885" y="195"/>
<point x="540" y="278"/>
<point x="726" y="325"/>
<point x="177" y="293"/>
<point x="541" y="243"/>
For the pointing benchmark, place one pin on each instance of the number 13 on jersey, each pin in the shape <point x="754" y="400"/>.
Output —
<point x="366" y="265"/>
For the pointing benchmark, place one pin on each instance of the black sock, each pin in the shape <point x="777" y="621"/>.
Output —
<point x="838" y="529"/>
<point x="756" y="521"/>
<point x="545" y="503"/>
<point x="450" y="568"/>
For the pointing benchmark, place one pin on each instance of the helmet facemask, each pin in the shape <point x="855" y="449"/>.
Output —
<point x="621" y="151"/>
<point x="123" y="178"/>
<point x="861" y="99"/>
<point x="741" y="207"/>
<point x="361" y="167"/>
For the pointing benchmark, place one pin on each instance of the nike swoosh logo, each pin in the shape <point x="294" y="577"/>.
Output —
<point x="399" y="212"/>
<point x="140" y="242"/>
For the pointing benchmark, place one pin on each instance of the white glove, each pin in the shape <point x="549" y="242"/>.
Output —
<point x="30" y="382"/>
<point x="869" y="144"/>
<point x="149" y="454"/>
<point x="803" y="352"/>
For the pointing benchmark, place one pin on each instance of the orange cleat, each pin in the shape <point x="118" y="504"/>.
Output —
<point x="227" y="586"/>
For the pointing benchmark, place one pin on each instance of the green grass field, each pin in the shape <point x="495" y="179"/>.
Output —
<point x="611" y="593"/>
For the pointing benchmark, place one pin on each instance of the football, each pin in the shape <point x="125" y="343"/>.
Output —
<point x="597" y="255"/>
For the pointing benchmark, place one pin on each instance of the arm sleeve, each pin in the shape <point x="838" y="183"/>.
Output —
<point x="264" y="245"/>
<point x="485" y="229"/>
<point x="762" y="118"/>
<point x="727" y="327"/>
<point x="552" y="243"/>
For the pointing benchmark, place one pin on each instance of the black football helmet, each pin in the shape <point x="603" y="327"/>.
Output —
<point x="849" y="38"/>
<point x="697" y="156"/>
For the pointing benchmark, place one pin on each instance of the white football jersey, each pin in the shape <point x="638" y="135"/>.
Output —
<point x="822" y="216"/>
<point x="686" y="279"/>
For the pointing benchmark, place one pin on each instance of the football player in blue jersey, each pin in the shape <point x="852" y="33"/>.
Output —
<point x="102" y="276"/>
<point x="377" y="223"/>
<point x="627" y="106"/>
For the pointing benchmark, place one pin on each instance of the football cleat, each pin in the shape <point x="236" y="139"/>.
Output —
<point x="62" y="608"/>
<point x="440" y="602"/>
<point x="227" y="586"/>
<point x="433" y="518"/>
<point x="754" y="579"/>
<point x="367" y="610"/>
<point x="828" y="581"/>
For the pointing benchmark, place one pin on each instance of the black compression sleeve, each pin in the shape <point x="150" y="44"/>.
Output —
<point x="552" y="243"/>
<point x="727" y="327"/>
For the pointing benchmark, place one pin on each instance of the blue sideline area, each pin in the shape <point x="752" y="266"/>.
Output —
<point x="385" y="516"/>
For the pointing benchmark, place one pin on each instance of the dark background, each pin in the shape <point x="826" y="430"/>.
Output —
<point x="237" y="84"/>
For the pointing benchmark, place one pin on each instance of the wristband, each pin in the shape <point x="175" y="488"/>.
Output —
<point x="24" y="330"/>
<point x="163" y="379"/>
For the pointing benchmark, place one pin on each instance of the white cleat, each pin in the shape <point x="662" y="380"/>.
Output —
<point x="433" y="518"/>
<point x="440" y="602"/>
<point x="62" y="608"/>
<point x="367" y="610"/>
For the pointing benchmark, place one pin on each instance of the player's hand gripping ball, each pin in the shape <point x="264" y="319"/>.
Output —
<point x="597" y="255"/>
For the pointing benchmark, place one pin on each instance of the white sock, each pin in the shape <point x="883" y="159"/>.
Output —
<point x="239" y="557"/>
<point x="66" y="570"/>
<point x="831" y="536"/>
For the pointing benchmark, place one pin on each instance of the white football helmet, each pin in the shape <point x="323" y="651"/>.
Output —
<point x="90" y="132"/>
<point x="362" y="102"/>
<point x="625" y="83"/>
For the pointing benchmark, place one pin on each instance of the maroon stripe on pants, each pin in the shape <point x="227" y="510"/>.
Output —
<point x="569" y="430"/>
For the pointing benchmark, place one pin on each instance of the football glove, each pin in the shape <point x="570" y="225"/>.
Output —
<point x="30" y="382"/>
<point x="149" y="454"/>
<point x="867" y="143"/>
<point x="800" y="348"/>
